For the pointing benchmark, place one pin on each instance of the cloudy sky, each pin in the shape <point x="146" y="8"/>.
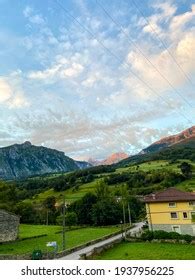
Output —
<point x="91" y="77"/>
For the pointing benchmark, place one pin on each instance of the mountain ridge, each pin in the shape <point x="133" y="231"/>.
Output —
<point x="112" y="159"/>
<point x="25" y="160"/>
<point x="168" y="141"/>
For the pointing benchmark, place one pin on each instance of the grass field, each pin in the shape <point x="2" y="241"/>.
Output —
<point x="72" y="195"/>
<point x="73" y="238"/>
<point x="149" y="251"/>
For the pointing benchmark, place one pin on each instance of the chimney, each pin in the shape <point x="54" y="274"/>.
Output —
<point x="153" y="196"/>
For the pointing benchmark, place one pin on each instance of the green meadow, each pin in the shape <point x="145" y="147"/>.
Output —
<point x="53" y="233"/>
<point x="149" y="251"/>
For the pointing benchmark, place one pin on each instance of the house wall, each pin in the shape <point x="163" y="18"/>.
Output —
<point x="183" y="228"/>
<point x="160" y="213"/>
<point x="9" y="226"/>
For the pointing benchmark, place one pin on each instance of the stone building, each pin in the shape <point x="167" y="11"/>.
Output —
<point x="9" y="226"/>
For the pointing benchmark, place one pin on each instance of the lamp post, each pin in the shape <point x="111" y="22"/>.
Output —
<point x="129" y="211"/>
<point x="121" y="222"/>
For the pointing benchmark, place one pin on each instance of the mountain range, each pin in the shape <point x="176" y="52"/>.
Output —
<point x="178" y="146"/>
<point x="25" y="160"/>
<point x="20" y="161"/>
<point x="180" y="138"/>
<point x="114" y="158"/>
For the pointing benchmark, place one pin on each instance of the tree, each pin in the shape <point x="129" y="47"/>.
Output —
<point x="137" y="208"/>
<point x="70" y="219"/>
<point x="186" y="169"/>
<point x="49" y="203"/>
<point x="26" y="212"/>
<point x="83" y="208"/>
<point x="106" y="212"/>
<point x="49" y="206"/>
<point x="102" y="191"/>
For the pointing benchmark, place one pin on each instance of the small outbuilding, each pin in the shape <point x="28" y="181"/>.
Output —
<point x="9" y="226"/>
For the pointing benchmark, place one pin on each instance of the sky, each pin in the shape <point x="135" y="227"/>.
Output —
<point x="92" y="78"/>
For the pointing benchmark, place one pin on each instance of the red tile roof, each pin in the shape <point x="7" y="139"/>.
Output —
<point x="170" y="194"/>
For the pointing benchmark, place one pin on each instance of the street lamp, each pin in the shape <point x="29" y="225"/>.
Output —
<point x="121" y="222"/>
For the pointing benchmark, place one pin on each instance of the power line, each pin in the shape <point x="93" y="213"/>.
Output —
<point x="140" y="50"/>
<point x="118" y="59"/>
<point x="161" y="41"/>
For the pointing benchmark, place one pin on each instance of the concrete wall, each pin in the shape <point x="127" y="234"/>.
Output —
<point x="9" y="226"/>
<point x="184" y="229"/>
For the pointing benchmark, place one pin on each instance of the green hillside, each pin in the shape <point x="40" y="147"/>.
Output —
<point x="93" y="195"/>
<point x="182" y="150"/>
<point x="164" y="166"/>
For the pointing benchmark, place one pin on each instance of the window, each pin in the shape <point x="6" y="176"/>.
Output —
<point x="193" y="216"/>
<point x="192" y="203"/>
<point x="185" y="215"/>
<point x="174" y="215"/>
<point x="176" y="229"/>
<point x="172" y="204"/>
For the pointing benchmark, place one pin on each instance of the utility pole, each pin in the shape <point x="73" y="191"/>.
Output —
<point x="47" y="217"/>
<point x="63" y="225"/>
<point x="129" y="211"/>
<point x="124" y="218"/>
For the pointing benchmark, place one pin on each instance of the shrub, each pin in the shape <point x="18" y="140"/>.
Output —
<point x="188" y="238"/>
<point x="174" y="235"/>
<point x="161" y="234"/>
<point x="147" y="235"/>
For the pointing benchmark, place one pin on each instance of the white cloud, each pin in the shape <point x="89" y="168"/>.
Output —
<point x="79" y="135"/>
<point x="10" y="96"/>
<point x="73" y="71"/>
<point x="167" y="10"/>
<point x="28" y="12"/>
<point x="164" y="12"/>
<point x="18" y="101"/>
<point x="179" y="21"/>
<point x="5" y="90"/>
<point x="111" y="109"/>
<point x="62" y="69"/>
<point x="185" y="52"/>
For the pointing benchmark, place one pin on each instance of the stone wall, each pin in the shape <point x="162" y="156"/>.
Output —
<point x="98" y="250"/>
<point x="185" y="229"/>
<point x="9" y="226"/>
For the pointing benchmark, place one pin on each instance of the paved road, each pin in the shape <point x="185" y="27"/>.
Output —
<point x="88" y="249"/>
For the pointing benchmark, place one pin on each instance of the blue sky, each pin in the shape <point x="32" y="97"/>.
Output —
<point x="92" y="78"/>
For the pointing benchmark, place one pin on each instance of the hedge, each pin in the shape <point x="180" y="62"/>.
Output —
<point x="161" y="234"/>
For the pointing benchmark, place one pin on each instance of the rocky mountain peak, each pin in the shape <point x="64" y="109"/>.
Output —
<point x="114" y="158"/>
<point x="171" y="140"/>
<point x="27" y="144"/>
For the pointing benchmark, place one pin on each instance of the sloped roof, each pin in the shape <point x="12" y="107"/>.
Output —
<point x="170" y="194"/>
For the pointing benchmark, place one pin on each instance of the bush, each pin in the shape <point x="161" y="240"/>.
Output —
<point x="147" y="235"/>
<point x="161" y="234"/>
<point x="174" y="235"/>
<point x="188" y="238"/>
